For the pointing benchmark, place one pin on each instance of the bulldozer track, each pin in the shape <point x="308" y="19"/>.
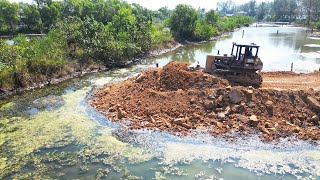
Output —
<point x="241" y="77"/>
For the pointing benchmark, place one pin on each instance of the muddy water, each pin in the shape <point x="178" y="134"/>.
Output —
<point x="52" y="133"/>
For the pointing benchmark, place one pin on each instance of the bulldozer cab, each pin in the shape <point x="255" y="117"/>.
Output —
<point x="244" y="57"/>
<point x="239" y="67"/>
<point x="243" y="54"/>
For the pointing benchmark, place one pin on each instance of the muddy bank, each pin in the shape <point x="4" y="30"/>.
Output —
<point x="41" y="81"/>
<point x="176" y="100"/>
<point x="168" y="47"/>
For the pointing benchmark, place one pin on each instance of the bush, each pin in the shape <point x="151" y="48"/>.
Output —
<point x="6" y="78"/>
<point x="225" y="24"/>
<point x="8" y="58"/>
<point x="230" y="23"/>
<point x="38" y="57"/>
<point x="160" y="36"/>
<point x="318" y="25"/>
<point x="203" y="30"/>
<point x="47" y="55"/>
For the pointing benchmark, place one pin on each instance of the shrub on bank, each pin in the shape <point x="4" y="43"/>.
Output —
<point x="315" y="25"/>
<point x="160" y="36"/>
<point x="318" y="25"/>
<point x="203" y="30"/>
<point x="25" y="60"/>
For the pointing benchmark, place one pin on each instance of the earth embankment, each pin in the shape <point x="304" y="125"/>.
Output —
<point x="177" y="100"/>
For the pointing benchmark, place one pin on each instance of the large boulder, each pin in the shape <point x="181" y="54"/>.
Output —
<point x="235" y="96"/>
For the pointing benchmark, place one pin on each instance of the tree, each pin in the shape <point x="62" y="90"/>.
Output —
<point x="73" y="8"/>
<point x="252" y="8"/>
<point x="123" y="23"/>
<point x="30" y="16"/>
<point x="72" y="30"/>
<point x="212" y="17"/>
<point x="310" y="9"/>
<point x="182" y="22"/>
<point x="226" y="7"/>
<point x="113" y="7"/>
<point x="203" y="30"/>
<point x="50" y="14"/>
<point x="9" y="15"/>
<point x="201" y="12"/>
<point x="285" y="10"/>
<point x="262" y="11"/>
<point x="292" y="10"/>
<point x="165" y="13"/>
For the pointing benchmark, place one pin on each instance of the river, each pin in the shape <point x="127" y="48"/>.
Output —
<point x="51" y="133"/>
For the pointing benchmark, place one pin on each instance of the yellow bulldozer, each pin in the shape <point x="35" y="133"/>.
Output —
<point x="240" y="66"/>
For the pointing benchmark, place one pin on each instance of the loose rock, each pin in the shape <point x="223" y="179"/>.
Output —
<point x="177" y="100"/>
<point x="178" y="121"/>
<point x="235" y="96"/>
<point x="209" y="105"/>
<point x="243" y="119"/>
<point x="313" y="103"/>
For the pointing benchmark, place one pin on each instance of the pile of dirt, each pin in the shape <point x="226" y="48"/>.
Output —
<point x="177" y="100"/>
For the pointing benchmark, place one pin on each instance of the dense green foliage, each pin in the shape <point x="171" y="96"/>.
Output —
<point x="86" y="33"/>
<point x="38" y="57"/>
<point x="187" y="23"/>
<point x="203" y="30"/>
<point x="182" y="21"/>
<point x="79" y="33"/>
<point x="8" y="15"/>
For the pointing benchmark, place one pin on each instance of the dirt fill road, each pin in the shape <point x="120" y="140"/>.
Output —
<point x="176" y="100"/>
<point x="289" y="80"/>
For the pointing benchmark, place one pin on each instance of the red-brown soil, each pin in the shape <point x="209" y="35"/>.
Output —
<point x="177" y="100"/>
<point x="290" y="80"/>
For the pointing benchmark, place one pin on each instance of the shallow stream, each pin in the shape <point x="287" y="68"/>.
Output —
<point x="52" y="133"/>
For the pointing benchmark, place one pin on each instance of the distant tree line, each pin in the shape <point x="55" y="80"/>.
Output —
<point x="306" y="11"/>
<point x="82" y="33"/>
<point x="187" y="23"/>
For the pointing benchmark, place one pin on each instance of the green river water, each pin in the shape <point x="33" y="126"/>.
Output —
<point x="52" y="133"/>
